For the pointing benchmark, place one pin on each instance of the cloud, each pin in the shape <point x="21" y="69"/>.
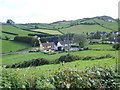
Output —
<point x="54" y="10"/>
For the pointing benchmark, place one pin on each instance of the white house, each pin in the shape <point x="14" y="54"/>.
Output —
<point x="64" y="44"/>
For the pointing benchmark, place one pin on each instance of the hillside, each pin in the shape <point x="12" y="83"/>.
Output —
<point x="100" y="23"/>
<point x="85" y="28"/>
<point x="12" y="46"/>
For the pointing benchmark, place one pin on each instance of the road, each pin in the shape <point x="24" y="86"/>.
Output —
<point x="15" y="53"/>
<point x="20" y="52"/>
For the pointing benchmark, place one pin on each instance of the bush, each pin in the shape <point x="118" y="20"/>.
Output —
<point x="68" y="58"/>
<point x="116" y="46"/>
<point x="27" y="39"/>
<point x="34" y="62"/>
<point x="92" y="78"/>
<point x="64" y="78"/>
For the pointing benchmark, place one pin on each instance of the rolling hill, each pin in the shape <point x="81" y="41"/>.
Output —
<point x="84" y="28"/>
<point x="99" y="23"/>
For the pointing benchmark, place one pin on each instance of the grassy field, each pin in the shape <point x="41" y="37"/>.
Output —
<point x="62" y="24"/>
<point x="84" y="28"/>
<point x="45" y="26"/>
<point x="11" y="46"/>
<point x="100" y="46"/>
<point x="11" y="59"/>
<point x="88" y="21"/>
<point x="8" y="35"/>
<point x="9" y="28"/>
<point x="112" y="25"/>
<point x="47" y="69"/>
<point x="53" y="32"/>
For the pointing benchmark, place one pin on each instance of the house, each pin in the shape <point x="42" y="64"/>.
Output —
<point x="115" y="40"/>
<point x="48" y="46"/>
<point x="92" y="34"/>
<point x="103" y="34"/>
<point x="74" y="48"/>
<point x="63" y="44"/>
<point x="32" y="27"/>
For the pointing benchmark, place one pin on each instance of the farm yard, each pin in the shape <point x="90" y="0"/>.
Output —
<point x="49" y="61"/>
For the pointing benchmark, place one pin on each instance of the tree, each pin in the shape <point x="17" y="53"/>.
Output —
<point x="97" y="35"/>
<point x="81" y="39"/>
<point x="116" y="46"/>
<point x="9" y="21"/>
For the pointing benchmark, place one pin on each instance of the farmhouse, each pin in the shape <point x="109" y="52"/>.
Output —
<point x="49" y="46"/>
<point x="115" y="40"/>
<point x="63" y="44"/>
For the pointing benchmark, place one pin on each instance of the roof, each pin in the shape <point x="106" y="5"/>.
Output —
<point x="66" y="42"/>
<point x="52" y="44"/>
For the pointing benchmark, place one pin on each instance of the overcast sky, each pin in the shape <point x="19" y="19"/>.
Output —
<point x="47" y="11"/>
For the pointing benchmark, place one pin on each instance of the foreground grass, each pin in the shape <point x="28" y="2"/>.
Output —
<point x="46" y="69"/>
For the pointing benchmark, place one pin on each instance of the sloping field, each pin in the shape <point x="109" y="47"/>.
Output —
<point x="62" y="24"/>
<point x="11" y="46"/>
<point x="8" y="35"/>
<point x="85" y="28"/>
<point x="111" y="25"/>
<point x="11" y="59"/>
<point x="46" y="69"/>
<point x="53" y="32"/>
<point x="11" y="29"/>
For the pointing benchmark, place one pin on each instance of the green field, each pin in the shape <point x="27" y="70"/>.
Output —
<point x="8" y="35"/>
<point x="46" y="69"/>
<point x="11" y="29"/>
<point x="84" y="28"/>
<point x="11" y="59"/>
<point x="53" y="32"/>
<point x="12" y="46"/>
<point x="62" y="24"/>
<point x="100" y="46"/>
<point x="111" y="25"/>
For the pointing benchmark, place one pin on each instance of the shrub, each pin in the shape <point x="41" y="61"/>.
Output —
<point x="68" y="58"/>
<point x="27" y="39"/>
<point x="92" y="78"/>
<point x="64" y="78"/>
<point x="116" y="46"/>
<point x="34" y="62"/>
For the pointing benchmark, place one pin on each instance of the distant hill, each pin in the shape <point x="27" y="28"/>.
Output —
<point x="94" y="24"/>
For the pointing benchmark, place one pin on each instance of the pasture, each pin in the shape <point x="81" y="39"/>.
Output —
<point x="12" y="59"/>
<point x="47" y="69"/>
<point x="100" y="46"/>
<point x="11" y="29"/>
<point x="12" y="46"/>
<point x="8" y="35"/>
<point x="53" y="32"/>
<point x="84" y="28"/>
<point x="111" y="25"/>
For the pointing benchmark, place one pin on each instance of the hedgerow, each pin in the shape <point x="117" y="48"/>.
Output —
<point x="64" y="58"/>
<point x="95" y="77"/>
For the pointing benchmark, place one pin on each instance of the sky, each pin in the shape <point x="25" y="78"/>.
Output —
<point x="48" y="11"/>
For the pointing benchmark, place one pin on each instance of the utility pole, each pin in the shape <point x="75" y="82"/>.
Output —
<point x="68" y="43"/>
<point x="41" y="47"/>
